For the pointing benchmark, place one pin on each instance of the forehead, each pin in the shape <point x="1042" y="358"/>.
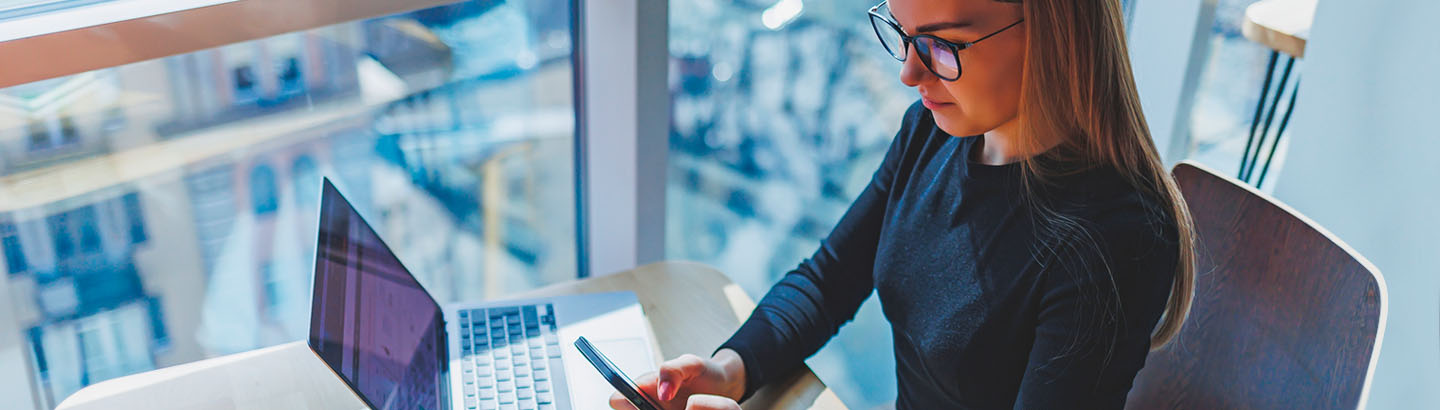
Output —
<point x="916" y="13"/>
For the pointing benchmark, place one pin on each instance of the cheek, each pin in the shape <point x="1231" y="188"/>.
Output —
<point x="984" y="97"/>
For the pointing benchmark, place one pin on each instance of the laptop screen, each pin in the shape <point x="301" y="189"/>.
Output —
<point x="370" y="320"/>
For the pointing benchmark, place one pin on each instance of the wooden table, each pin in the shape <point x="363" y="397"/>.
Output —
<point x="1281" y="25"/>
<point x="691" y="309"/>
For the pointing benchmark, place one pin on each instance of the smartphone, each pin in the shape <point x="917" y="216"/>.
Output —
<point x="612" y="374"/>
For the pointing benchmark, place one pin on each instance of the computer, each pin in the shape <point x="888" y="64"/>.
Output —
<point x="381" y="332"/>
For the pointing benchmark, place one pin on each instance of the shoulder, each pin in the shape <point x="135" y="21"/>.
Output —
<point x="1132" y="232"/>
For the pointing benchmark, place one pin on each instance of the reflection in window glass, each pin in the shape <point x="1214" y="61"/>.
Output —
<point x="184" y="226"/>
<point x="780" y="118"/>
<point x="782" y="112"/>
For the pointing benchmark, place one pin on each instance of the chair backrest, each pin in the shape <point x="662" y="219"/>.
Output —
<point x="1285" y="314"/>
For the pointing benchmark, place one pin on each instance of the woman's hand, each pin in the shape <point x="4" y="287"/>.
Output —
<point x="692" y="383"/>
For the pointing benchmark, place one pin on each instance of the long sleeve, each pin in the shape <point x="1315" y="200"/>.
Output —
<point x="1095" y="320"/>
<point x="810" y="303"/>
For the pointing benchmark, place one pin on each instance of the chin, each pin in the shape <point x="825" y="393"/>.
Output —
<point x="957" y="128"/>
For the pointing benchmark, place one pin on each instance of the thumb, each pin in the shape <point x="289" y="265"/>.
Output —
<point x="711" y="402"/>
<point x="674" y="373"/>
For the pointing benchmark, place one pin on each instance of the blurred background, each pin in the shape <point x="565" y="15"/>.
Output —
<point x="164" y="211"/>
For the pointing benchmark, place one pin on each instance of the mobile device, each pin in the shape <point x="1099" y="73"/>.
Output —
<point x="612" y="374"/>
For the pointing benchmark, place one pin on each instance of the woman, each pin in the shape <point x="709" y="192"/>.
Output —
<point x="1025" y="241"/>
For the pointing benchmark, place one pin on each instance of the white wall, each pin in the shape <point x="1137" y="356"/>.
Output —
<point x="1363" y="163"/>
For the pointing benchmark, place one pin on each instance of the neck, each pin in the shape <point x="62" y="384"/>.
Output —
<point x="1003" y="145"/>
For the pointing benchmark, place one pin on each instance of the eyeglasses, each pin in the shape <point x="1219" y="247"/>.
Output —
<point x="940" y="56"/>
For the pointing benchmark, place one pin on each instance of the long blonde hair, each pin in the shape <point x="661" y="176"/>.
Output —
<point x="1078" y="84"/>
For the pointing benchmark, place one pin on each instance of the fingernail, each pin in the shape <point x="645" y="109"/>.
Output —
<point x="665" y="391"/>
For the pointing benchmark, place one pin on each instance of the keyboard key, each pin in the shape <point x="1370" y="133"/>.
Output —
<point x="547" y="406"/>
<point x="541" y="374"/>
<point x="507" y="398"/>
<point x="542" y="386"/>
<point x="502" y="365"/>
<point x="527" y="404"/>
<point x="517" y="349"/>
<point x="522" y="371"/>
<point x="489" y="405"/>
<point x="503" y="375"/>
<point x="538" y="364"/>
<point x="523" y="382"/>
<point x="505" y="387"/>
<point x="470" y="402"/>
<point x="485" y="380"/>
<point x="487" y="394"/>
<point x="524" y="393"/>
<point x="545" y="397"/>
<point x="554" y="352"/>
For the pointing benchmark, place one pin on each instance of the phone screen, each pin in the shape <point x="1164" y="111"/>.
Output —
<point x="612" y="374"/>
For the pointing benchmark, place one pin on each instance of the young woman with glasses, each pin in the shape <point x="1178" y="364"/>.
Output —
<point x="1027" y="245"/>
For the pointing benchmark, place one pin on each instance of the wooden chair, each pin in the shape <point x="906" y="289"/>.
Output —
<point x="1285" y="314"/>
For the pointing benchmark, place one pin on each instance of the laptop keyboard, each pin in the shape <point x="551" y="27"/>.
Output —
<point x="511" y="359"/>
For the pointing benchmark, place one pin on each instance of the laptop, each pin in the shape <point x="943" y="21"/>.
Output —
<point x="396" y="348"/>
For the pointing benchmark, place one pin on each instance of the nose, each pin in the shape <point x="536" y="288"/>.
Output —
<point x="912" y="71"/>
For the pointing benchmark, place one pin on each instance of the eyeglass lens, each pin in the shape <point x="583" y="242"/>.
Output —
<point x="940" y="59"/>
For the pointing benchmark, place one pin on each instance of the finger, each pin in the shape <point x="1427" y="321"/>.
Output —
<point x="710" y="402"/>
<point x="618" y="402"/>
<point x="675" y="372"/>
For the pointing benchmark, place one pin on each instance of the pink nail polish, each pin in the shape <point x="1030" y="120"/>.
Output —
<point x="665" y="391"/>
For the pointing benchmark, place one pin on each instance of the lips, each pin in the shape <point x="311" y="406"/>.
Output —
<point x="932" y="104"/>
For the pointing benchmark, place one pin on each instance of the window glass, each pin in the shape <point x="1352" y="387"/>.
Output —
<point x="165" y="211"/>
<point x="782" y="112"/>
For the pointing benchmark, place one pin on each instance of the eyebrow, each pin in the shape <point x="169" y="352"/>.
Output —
<point x="942" y="26"/>
<point x="933" y="27"/>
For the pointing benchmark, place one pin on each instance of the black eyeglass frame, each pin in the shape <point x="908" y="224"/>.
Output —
<point x="906" y="41"/>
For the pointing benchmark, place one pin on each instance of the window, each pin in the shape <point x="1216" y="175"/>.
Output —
<point x="262" y="190"/>
<point x="291" y="81"/>
<point x="271" y="283"/>
<point x="14" y="253"/>
<point x="60" y="233"/>
<point x="69" y="134"/>
<point x="409" y="113"/>
<point x="245" y="91"/>
<point x="135" y="217"/>
<point x="39" y="135"/>
<point x="305" y="180"/>
<point x="86" y="223"/>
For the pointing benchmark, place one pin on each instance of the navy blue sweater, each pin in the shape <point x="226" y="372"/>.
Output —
<point x="986" y="311"/>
